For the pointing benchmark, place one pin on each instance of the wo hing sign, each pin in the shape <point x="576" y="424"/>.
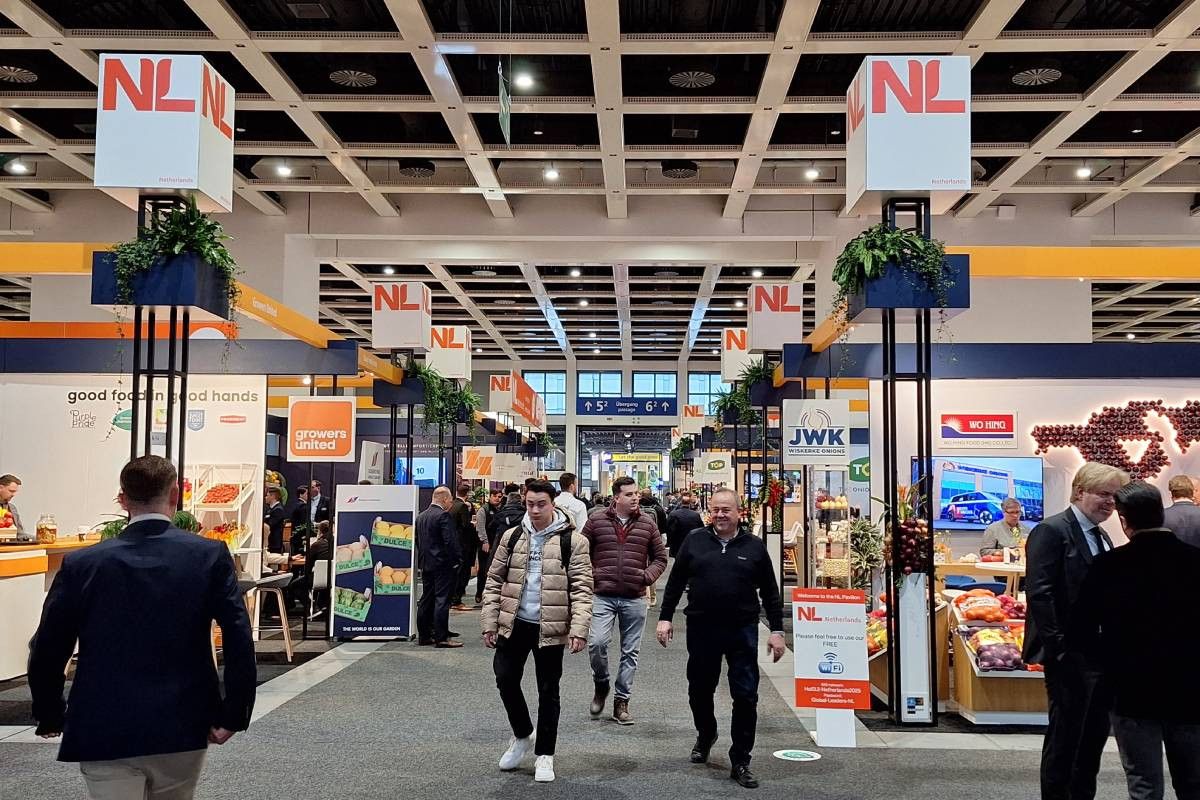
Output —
<point x="735" y="353"/>
<point x="776" y="316"/>
<point x="908" y="119"/>
<point x="401" y="316"/>
<point x="165" y="122"/>
<point x="450" y="350"/>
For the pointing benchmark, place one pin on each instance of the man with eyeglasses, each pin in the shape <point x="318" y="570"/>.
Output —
<point x="1059" y="555"/>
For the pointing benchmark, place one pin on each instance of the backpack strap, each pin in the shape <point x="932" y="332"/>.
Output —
<point x="513" y="536"/>
<point x="564" y="553"/>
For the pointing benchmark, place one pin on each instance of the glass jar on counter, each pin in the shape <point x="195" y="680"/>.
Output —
<point x="47" y="529"/>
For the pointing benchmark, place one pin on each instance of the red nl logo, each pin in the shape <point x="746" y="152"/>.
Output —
<point x="500" y="383"/>
<point x="735" y="339"/>
<point x="149" y="92"/>
<point x="808" y="613"/>
<point x="444" y="338"/>
<point x="693" y="412"/>
<point x="918" y="96"/>
<point x="395" y="296"/>
<point x="774" y="298"/>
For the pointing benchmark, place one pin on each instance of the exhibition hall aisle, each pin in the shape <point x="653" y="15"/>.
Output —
<point x="393" y="720"/>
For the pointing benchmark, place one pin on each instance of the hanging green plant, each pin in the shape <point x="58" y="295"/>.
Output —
<point x="180" y="230"/>
<point x="681" y="449"/>
<point x="760" y="371"/>
<point x="867" y="255"/>
<point x="546" y="442"/>
<point x="445" y="400"/>
<point x="734" y="403"/>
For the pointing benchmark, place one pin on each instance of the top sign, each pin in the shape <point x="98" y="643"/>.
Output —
<point x="401" y="312"/>
<point x="908" y="119"/>
<point x="450" y="351"/>
<point x="776" y="314"/>
<point x="165" y="122"/>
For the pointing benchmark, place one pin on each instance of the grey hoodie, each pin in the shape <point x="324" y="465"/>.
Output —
<point x="530" y="609"/>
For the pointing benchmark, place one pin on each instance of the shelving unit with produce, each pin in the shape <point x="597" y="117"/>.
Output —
<point x="221" y="497"/>
<point x="877" y="654"/>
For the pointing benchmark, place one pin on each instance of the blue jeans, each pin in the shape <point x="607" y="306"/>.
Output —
<point x="630" y="615"/>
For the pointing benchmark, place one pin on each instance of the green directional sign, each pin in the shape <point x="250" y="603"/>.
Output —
<point x="505" y="107"/>
<point x="796" y="755"/>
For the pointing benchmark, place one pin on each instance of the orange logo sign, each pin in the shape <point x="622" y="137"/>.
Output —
<point x="321" y="429"/>
<point x="149" y="92"/>
<point x="396" y="297"/>
<point x="443" y="337"/>
<point x="500" y="383"/>
<point x="735" y="339"/>
<point x="773" y="298"/>
<point x="475" y="461"/>
<point x="693" y="412"/>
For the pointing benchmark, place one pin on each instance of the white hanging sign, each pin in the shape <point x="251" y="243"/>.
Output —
<point x="401" y="315"/>
<point x="735" y="353"/>
<point x="692" y="419"/>
<point x="776" y="315"/>
<point x="450" y="351"/>
<point x="715" y="468"/>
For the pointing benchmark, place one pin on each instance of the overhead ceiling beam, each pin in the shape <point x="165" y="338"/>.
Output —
<point x="1125" y="294"/>
<point x="1188" y="146"/>
<point x="31" y="19"/>
<point x="349" y="271"/>
<point x="1181" y="305"/>
<point x="346" y="323"/>
<point x="1175" y="334"/>
<point x="260" y="200"/>
<point x="1178" y="27"/>
<point x="983" y="29"/>
<point x="604" y="39"/>
<point x="414" y="26"/>
<point x="795" y="23"/>
<point x="624" y="315"/>
<point x="26" y="201"/>
<point x="224" y="23"/>
<point x="538" y="289"/>
<point x="442" y="275"/>
<point x="708" y="283"/>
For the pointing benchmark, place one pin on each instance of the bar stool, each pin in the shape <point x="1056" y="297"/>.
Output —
<point x="274" y="585"/>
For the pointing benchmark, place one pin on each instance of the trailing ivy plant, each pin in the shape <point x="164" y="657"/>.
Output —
<point x="684" y="446"/>
<point x="867" y="255"/>
<point x="444" y="398"/>
<point x="182" y="229"/>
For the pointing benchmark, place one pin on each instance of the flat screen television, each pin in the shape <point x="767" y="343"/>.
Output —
<point x="967" y="491"/>
<point x="425" y="471"/>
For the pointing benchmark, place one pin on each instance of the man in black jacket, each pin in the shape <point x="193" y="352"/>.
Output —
<point x="681" y="521"/>
<point x="1059" y="554"/>
<point x="472" y="544"/>
<point x="508" y="516"/>
<point x="1183" y="517"/>
<point x="1131" y="620"/>
<point x="439" y="554"/>
<point x="726" y="571"/>
<point x="146" y="701"/>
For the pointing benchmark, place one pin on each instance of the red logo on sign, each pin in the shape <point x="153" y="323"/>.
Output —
<point x="395" y="297"/>
<point x="233" y="419"/>
<point x="920" y="96"/>
<point x="444" y="338"/>
<point x="773" y="298"/>
<point x="735" y="339"/>
<point x="149" y="92"/>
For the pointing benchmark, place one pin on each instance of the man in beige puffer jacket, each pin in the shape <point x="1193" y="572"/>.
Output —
<point x="536" y="601"/>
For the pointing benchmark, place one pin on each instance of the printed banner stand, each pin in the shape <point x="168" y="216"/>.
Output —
<point x="830" y="647"/>
<point x="375" y="565"/>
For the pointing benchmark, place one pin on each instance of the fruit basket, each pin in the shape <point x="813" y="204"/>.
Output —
<point x="351" y="604"/>
<point x="354" y="556"/>
<point x="392" y="580"/>
<point x="392" y="534"/>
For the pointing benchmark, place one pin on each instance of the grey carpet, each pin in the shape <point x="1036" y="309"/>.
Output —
<point x="409" y="722"/>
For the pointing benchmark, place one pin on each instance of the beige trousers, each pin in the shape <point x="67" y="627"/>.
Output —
<point x="170" y="776"/>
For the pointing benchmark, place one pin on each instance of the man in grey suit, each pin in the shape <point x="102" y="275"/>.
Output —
<point x="1183" y="517"/>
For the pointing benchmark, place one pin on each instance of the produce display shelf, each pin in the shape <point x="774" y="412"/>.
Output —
<point x="232" y="505"/>
<point x="995" y="673"/>
<point x="963" y="622"/>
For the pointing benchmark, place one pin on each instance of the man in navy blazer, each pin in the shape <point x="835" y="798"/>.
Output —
<point x="439" y="553"/>
<point x="146" y="699"/>
<point x="1059" y="554"/>
<point x="1183" y="517"/>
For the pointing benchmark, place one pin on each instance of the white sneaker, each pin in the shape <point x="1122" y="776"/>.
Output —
<point x="518" y="750"/>
<point x="543" y="771"/>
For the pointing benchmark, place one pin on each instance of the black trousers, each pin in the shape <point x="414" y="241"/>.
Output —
<point x="708" y="644"/>
<point x="509" y="665"/>
<point x="433" y="611"/>
<point x="485" y="563"/>
<point x="469" y="548"/>
<point x="1141" y="744"/>
<point x="1079" y="706"/>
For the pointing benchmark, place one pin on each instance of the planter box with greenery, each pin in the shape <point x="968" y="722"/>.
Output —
<point x="181" y="261"/>
<point x="885" y="268"/>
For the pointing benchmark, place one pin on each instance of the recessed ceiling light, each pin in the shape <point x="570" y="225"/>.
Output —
<point x="16" y="167"/>
<point x="1130" y="336"/>
<point x="1083" y="173"/>
<point x="740" y="304"/>
<point x="1136" y="130"/>
<point x="583" y="302"/>
<point x="478" y="349"/>
<point x="756" y="273"/>
<point x="283" y="171"/>
<point x="692" y="79"/>
<point x="484" y="272"/>
<point x="596" y="350"/>
<point x="591" y="334"/>
<point x="523" y="80"/>
<point x="537" y="349"/>
<point x="835" y="133"/>
<point x="537" y="132"/>
<point x="11" y="74"/>
<point x="550" y="174"/>
<point x="389" y="270"/>
<point x="306" y="380"/>
<point x="662" y="302"/>
<point x="239" y="130"/>
<point x="716" y="352"/>
<point x="1038" y="76"/>
<point x="575" y="273"/>
<point x="666" y="273"/>
<point x="812" y="173"/>
<point x="504" y="301"/>
<point x="354" y="78"/>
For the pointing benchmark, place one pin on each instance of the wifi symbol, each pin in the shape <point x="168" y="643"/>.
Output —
<point x="831" y="657"/>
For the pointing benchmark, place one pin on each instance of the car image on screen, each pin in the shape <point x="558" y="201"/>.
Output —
<point x="973" y="507"/>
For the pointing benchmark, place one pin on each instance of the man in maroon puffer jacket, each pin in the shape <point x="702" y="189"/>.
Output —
<point x="627" y="556"/>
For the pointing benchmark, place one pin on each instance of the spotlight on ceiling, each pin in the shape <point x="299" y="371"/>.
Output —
<point x="591" y="334"/>
<point x="550" y="173"/>
<point x="1130" y="336"/>
<point x="596" y="351"/>
<point x="837" y="132"/>
<point x="417" y="168"/>
<point x="523" y="80"/>
<point x="1136" y="130"/>
<point x="478" y="349"/>
<point x="679" y="169"/>
<point x="17" y="167"/>
<point x="716" y="352"/>
<point x="537" y="131"/>
<point x="306" y="380"/>
<point x="389" y="270"/>
<point x="740" y="304"/>
<point x="484" y="272"/>
<point x="811" y="174"/>
<point x="756" y="273"/>
<point x="283" y="170"/>
<point x="575" y="273"/>
<point x="1083" y="173"/>
<point x="583" y="303"/>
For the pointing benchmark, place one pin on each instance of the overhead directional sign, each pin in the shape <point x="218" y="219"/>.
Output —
<point x="627" y="406"/>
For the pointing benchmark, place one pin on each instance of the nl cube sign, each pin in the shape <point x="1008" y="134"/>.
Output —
<point x="908" y="119"/>
<point x="165" y="122"/>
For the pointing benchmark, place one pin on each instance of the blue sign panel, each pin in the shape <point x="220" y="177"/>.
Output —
<point x="627" y="406"/>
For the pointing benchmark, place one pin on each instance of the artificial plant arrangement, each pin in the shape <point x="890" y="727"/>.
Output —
<point x="679" y="452"/>
<point x="912" y="530"/>
<point x="179" y="230"/>
<point x="772" y="497"/>
<point x="546" y="442"/>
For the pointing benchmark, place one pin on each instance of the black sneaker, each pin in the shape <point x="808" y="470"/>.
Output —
<point x="745" y="778"/>
<point x="454" y="634"/>
<point x="701" y="749"/>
